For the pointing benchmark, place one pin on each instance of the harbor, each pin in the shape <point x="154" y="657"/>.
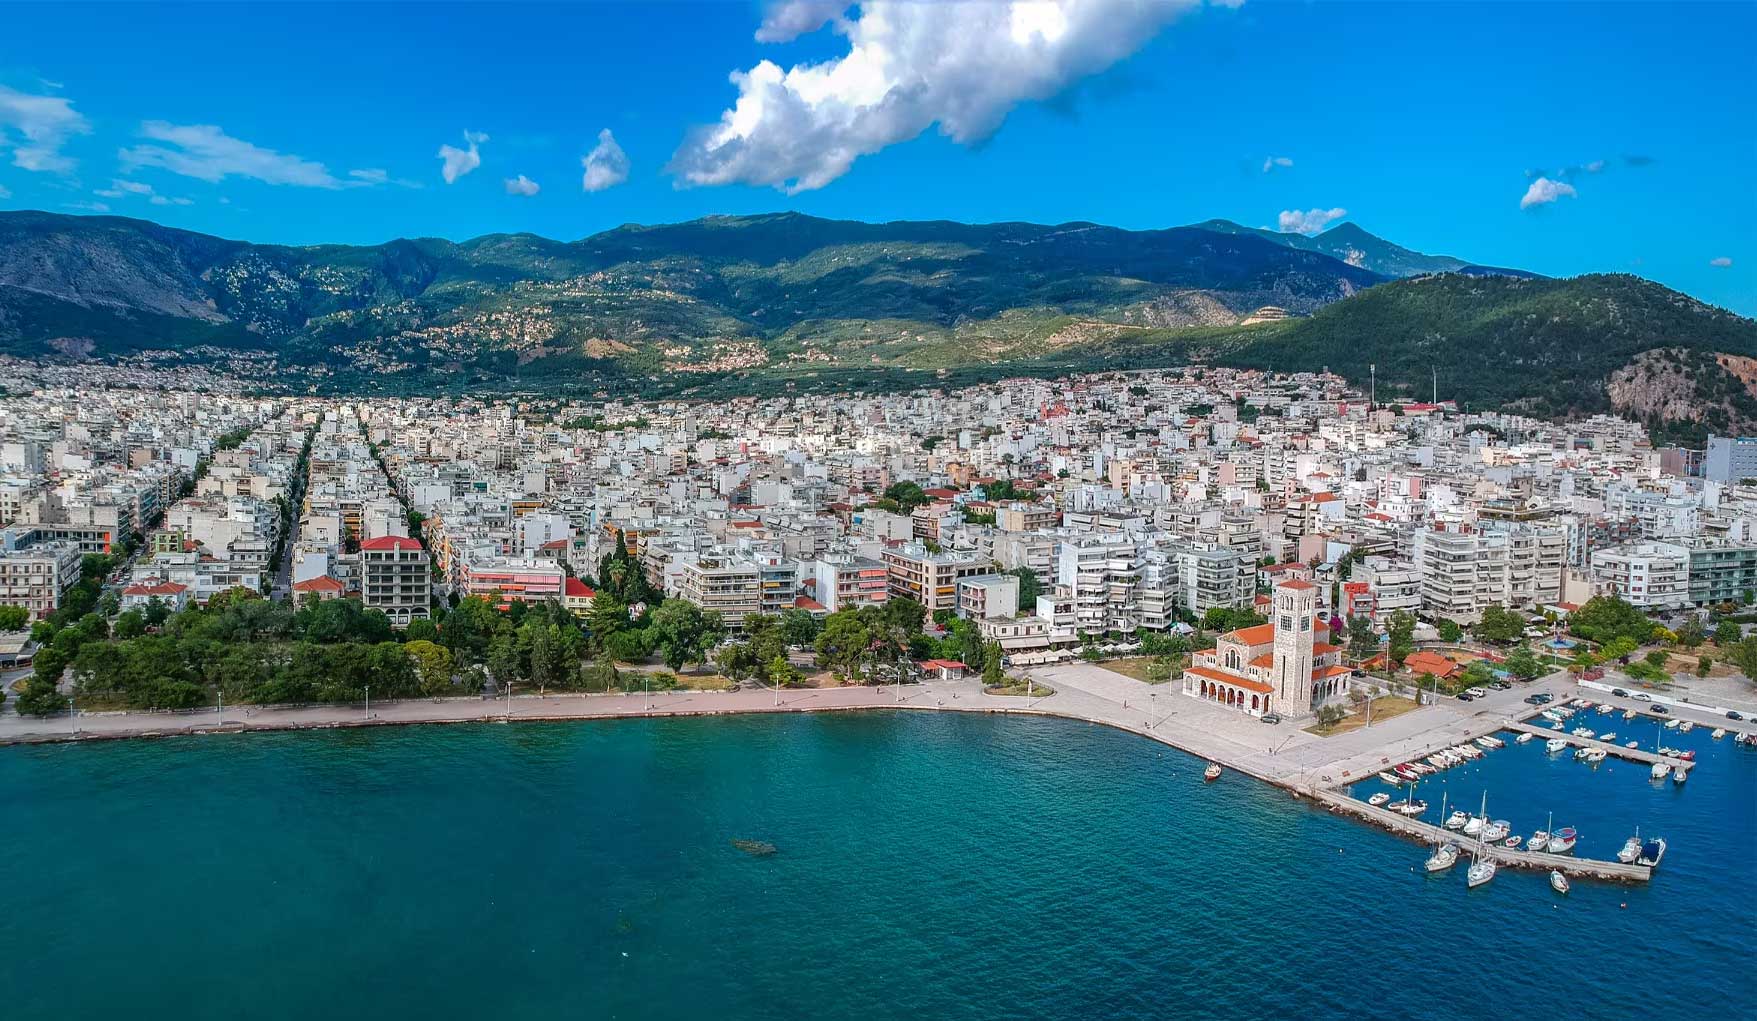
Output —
<point x="1621" y="751"/>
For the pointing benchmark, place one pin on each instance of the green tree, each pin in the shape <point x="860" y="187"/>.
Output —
<point x="906" y="495"/>
<point x="1727" y="633"/>
<point x="433" y="666"/>
<point x="14" y="618"/>
<point x="421" y="629"/>
<point x="799" y="627"/>
<point x="1606" y="618"/>
<point x="682" y="633"/>
<point x="1449" y="630"/>
<point x="130" y="625"/>
<point x="842" y="644"/>
<point x="1521" y="663"/>
<point x="1363" y="640"/>
<point x="1400" y="629"/>
<point x="1691" y="633"/>
<point x="1029" y="589"/>
<point x="1500" y="625"/>
<point x="992" y="674"/>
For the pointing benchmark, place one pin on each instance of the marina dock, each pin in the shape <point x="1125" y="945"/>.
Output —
<point x="1610" y="747"/>
<point x="1430" y="834"/>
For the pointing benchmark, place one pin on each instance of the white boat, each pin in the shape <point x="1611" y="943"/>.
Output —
<point x="1680" y="775"/>
<point x="1474" y="826"/>
<point x="1631" y="849"/>
<point x="1554" y="745"/>
<point x="1606" y="709"/>
<point x="1469" y="752"/>
<point x="1583" y="732"/>
<point x="1609" y="735"/>
<point x="1456" y="820"/>
<point x="1391" y="778"/>
<point x="1556" y="724"/>
<point x="1524" y="738"/>
<point x="1409" y="806"/>
<point x="1558" y="882"/>
<point x="1671" y="724"/>
<point x="1629" y="714"/>
<point x="1661" y="770"/>
<point x="1443" y="858"/>
<point x="1581" y="703"/>
<point x="1562" y="841"/>
<point x="1631" y="744"/>
<point x="1686" y="726"/>
<point x="1452" y="759"/>
<point x="1580" y="752"/>
<point x="1595" y="755"/>
<point x="1212" y="772"/>
<point x="1481" y="869"/>
<point x="1651" y="852"/>
<point x="1487" y="741"/>
<point x="1437" y="762"/>
<point x="1553" y="715"/>
<point x="1496" y="831"/>
<point x="1512" y="843"/>
<point x="1378" y="799"/>
<point x="1719" y="732"/>
<point x="1421" y="768"/>
<point x="1541" y="839"/>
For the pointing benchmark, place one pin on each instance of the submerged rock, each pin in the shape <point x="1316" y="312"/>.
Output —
<point x="759" y="848"/>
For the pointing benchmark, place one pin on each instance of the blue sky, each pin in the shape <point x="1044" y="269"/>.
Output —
<point x="1427" y="123"/>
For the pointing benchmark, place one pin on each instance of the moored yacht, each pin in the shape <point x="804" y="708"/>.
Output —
<point x="1443" y="858"/>
<point x="1493" y="832"/>
<point x="1562" y="841"/>
<point x="1651" y="852"/>
<point x="1474" y="826"/>
<point x="1212" y="772"/>
<point x="1595" y="755"/>
<point x="1629" y="714"/>
<point x="1679" y="775"/>
<point x="1661" y="770"/>
<point x="1391" y="778"/>
<point x="1481" y="869"/>
<point x="1631" y="849"/>
<point x="1524" y="737"/>
<point x="1456" y="820"/>
<point x="1554" y="745"/>
<point x="1378" y="799"/>
<point x="1719" y="732"/>
<point x="1512" y="843"/>
<point x="1558" y="882"/>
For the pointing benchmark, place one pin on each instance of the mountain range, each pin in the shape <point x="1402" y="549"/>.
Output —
<point x="726" y="303"/>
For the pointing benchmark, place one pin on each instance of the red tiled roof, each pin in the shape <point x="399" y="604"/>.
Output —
<point x="1262" y="634"/>
<point x="1235" y="680"/>
<point x="1297" y="585"/>
<point x="168" y="588"/>
<point x="392" y="542"/>
<point x="807" y="603"/>
<point x="578" y="589"/>
<point x="321" y="583"/>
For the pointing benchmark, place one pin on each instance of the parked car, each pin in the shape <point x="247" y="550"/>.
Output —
<point x="1734" y="714"/>
<point x="1271" y="717"/>
<point x="1465" y="696"/>
<point x="1619" y="692"/>
<point x="1500" y="685"/>
<point x="1533" y="700"/>
<point x="1658" y="710"/>
<point x="1479" y="691"/>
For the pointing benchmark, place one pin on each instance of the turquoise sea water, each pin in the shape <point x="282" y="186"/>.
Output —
<point x="928" y="866"/>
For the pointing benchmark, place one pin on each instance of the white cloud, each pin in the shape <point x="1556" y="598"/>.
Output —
<point x="87" y="207"/>
<point x="375" y="177"/>
<point x="1723" y="262"/>
<point x="1595" y="166"/>
<point x="787" y="20"/>
<point x="37" y="127"/>
<point x="522" y="185"/>
<point x="1310" y="221"/>
<point x="606" y="165"/>
<point x="909" y="66"/>
<point x="459" y="162"/>
<point x="123" y="189"/>
<point x="207" y="153"/>
<point x="1543" y="191"/>
<point x="5" y="193"/>
<point x="1272" y="162"/>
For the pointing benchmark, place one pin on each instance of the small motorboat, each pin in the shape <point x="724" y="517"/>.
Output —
<point x="1438" y="763"/>
<point x="1212" y="772"/>
<point x="1391" y="778"/>
<point x="1562" y="841"/>
<point x="1719" y="732"/>
<point x="1686" y="726"/>
<point x="1487" y="741"/>
<point x="1556" y="724"/>
<point x="1631" y="849"/>
<point x="1671" y="724"/>
<point x="1661" y="770"/>
<point x="1606" y="709"/>
<point x="1443" y="858"/>
<point x="1583" y="732"/>
<point x="1558" y="882"/>
<point x="1554" y="745"/>
<point x="1409" y="807"/>
<point x="1474" y="826"/>
<point x="1651" y="852"/>
<point x="1524" y="738"/>
<point x="1421" y="768"/>
<point x="1468" y="751"/>
<point x="1631" y="744"/>
<point x="1629" y="714"/>
<point x="1609" y="735"/>
<point x="1679" y="775"/>
<point x="1538" y="841"/>
<point x="1580" y="752"/>
<point x="1581" y="703"/>
<point x="1456" y="820"/>
<point x="1512" y="843"/>
<point x="1404" y="770"/>
<point x="1378" y="799"/>
<point x="1553" y="715"/>
<point x="1595" y="756"/>
<point x="1493" y="832"/>
<point x="1689" y="756"/>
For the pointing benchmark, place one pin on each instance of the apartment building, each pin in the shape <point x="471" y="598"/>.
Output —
<point x="930" y="579"/>
<point x="37" y="576"/>
<point x="844" y="582"/>
<point x="982" y="596"/>
<point x="1649" y="575"/>
<point x="396" y="577"/>
<point x="511" y="578"/>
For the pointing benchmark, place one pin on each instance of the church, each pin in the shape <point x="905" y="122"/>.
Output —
<point x="1276" y="667"/>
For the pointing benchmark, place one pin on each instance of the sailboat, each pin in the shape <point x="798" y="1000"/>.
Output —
<point x="1410" y="806"/>
<point x="1481" y="869"/>
<point x="1445" y="852"/>
<point x="1541" y="839"/>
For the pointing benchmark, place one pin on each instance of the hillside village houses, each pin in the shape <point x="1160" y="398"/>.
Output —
<point x="1132" y="501"/>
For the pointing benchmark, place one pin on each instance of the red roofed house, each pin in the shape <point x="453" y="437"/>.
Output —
<point x="577" y="597"/>
<point x="1274" y="667"/>
<point x="322" y="586"/>
<point x="396" y="577"/>
<point x="944" y="669"/>
<point x="174" y="595"/>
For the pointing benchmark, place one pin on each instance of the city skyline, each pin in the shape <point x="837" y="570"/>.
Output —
<point x="1596" y="153"/>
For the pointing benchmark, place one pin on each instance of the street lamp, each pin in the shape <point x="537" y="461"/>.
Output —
<point x="369" y="701"/>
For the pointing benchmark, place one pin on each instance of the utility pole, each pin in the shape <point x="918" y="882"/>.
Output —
<point x="369" y="701"/>
<point x="1372" y="385"/>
